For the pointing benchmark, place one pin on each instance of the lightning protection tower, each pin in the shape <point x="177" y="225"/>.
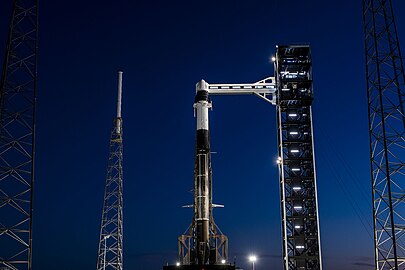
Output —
<point x="110" y="246"/>
<point x="385" y="92"/>
<point x="17" y="136"/>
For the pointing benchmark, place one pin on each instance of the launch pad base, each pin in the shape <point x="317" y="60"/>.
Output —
<point x="200" y="267"/>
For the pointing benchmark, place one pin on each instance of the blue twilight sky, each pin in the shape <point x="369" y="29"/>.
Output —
<point x="164" y="48"/>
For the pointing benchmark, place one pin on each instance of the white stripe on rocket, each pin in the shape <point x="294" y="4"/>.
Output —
<point x="201" y="108"/>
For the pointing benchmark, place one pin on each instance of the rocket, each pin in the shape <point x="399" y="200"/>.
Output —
<point x="204" y="243"/>
<point x="202" y="176"/>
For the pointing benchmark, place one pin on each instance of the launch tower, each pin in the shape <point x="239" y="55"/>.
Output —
<point x="299" y="204"/>
<point x="292" y="93"/>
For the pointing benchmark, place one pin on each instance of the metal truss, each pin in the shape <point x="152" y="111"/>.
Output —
<point x="218" y="242"/>
<point x="385" y="92"/>
<point x="301" y="241"/>
<point x="110" y="248"/>
<point x="17" y="137"/>
<point x="264" y="89"/>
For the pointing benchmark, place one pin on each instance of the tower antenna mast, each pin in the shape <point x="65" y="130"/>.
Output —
<point x="110" y="247"/>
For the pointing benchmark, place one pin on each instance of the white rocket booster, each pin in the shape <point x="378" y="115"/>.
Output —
<point x="202" y="190"/>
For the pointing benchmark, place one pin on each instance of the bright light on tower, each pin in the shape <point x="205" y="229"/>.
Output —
<point x="252" y="258"/>
<point x="273" y="59"/>
<point x="177" y="263"/>
<point x="223" y="261"/>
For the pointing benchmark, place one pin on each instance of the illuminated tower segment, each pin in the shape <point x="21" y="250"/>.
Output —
<point x="299" y="206"/>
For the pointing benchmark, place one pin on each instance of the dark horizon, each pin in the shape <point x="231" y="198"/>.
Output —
<point x="164" y="49"/>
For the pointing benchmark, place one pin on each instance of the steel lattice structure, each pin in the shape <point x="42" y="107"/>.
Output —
<point x="385" y="92"/>
<point x="110" y="248"/>
<point x="17" y="136"/>
<point x="301" y="242"/>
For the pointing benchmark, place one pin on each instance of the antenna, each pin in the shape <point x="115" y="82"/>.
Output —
<point x="119" y="94"/>
<point x="119" y="103"/>
<point x="110" y="247"/>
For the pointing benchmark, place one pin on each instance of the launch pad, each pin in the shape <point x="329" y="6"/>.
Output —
<point x="203" y="246"/>
<point x="200" y="267"/>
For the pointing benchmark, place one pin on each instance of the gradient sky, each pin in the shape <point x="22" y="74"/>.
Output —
<point x="164" y="48"/>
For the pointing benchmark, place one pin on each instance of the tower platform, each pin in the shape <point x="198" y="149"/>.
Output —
<point x="200" y="267"/>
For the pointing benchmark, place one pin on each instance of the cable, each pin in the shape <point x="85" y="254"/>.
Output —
<point x="337" y="176"/>
<point x="367" y="226"/>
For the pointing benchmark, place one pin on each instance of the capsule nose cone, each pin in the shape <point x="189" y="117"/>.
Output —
<point x="202" y="86"/>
